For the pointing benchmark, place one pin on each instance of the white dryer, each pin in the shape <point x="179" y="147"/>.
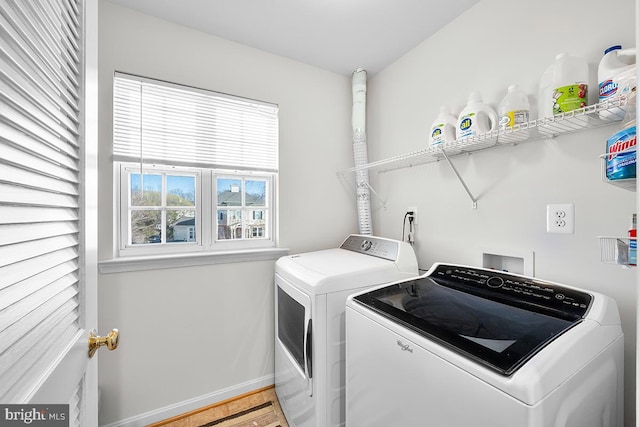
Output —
<point x="463" y="346"/>
<point x="310" y="293"/>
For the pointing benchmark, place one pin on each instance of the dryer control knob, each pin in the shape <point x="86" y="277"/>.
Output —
<point x="366" y="245"/>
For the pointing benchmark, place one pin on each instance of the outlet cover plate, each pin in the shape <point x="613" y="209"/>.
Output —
<point x="561" y="218"/>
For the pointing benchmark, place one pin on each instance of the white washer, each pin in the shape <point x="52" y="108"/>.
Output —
<point x="464" y="346"/>
<point x="310" y="294"/>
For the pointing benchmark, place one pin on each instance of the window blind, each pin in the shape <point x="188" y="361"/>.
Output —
<point x="40" y="61"/>
<point x="158" y="122"/>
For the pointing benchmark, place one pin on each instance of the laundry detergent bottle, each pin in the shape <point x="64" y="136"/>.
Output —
<point x="570" y="83"/>
<point x="620" y="164"/>
<point x="476" y="118"/>
<point x="443" y="129"/>
<point x="514" y="108"/>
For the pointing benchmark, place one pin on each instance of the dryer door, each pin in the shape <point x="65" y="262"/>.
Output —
<point x="294" y="329"/>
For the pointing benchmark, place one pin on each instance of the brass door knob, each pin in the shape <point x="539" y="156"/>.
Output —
<point x="95" y="342"/>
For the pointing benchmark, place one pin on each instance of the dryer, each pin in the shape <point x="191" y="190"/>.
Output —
<point x="310" y="293"/>
<point x="463" y="346"/>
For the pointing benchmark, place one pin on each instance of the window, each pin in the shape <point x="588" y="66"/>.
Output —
<point x="242" y="207"/>
<point x="161" y="206"/>
<point x="197" y="169"/>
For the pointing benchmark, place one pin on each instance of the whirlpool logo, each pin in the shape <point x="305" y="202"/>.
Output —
<point x="35" y="415"/>
<point x="404" y="347"/>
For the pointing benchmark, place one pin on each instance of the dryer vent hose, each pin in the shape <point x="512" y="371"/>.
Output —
<point x="358" y="123"/>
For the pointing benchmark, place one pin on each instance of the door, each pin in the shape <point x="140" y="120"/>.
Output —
<point x="294" y="328"/>
<point x="294" y="353"/>
<point x="48" y="207"/>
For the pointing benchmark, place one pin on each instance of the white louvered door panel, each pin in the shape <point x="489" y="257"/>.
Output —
<point x="75" y="407"/>
<point x="47" y="187"/>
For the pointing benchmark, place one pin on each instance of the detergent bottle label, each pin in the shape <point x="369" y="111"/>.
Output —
<point x="437" y="134"/>
<point x="511" y="118"/>
<point x="466" y="126"/>
<point x="621" y="166"/>
<point x="607" y="89"/>
<point x="569" y="98"/>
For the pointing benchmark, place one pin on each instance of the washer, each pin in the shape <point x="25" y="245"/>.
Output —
<point x="464" y="346"/>
<point x="310" y="294"/>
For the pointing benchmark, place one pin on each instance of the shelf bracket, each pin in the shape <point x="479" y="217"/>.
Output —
<point x="474" y="200"/>
<point x="362" y="183"/>
<point x="383" y="201"/>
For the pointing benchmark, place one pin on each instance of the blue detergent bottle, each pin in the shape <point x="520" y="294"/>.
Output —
<point x="621" y="153"/>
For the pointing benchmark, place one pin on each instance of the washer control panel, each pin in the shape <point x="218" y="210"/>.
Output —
<point x="514" y="287"/>
<point x="371" y="245"/>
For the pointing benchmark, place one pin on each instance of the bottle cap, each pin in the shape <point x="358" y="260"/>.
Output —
<point x="616" y="47"/>
<point x="475" y="97"/>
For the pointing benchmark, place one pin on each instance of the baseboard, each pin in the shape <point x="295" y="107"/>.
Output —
<point x="193" y="404"/>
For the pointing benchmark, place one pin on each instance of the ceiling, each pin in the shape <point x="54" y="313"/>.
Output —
<point x="336" y="35"/>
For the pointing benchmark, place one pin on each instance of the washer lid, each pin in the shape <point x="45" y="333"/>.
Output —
<point x="494" y="318"/>
<point x="338" y="269"/>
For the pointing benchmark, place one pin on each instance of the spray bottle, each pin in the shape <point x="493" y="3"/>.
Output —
<point x="621" y="155"/>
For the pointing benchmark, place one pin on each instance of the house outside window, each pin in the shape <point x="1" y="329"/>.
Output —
<point x="184" y="230"/>
<point x="242" y="207"/>
<point x="197" y="170"/>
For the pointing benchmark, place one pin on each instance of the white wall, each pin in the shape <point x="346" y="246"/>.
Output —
<point x="493" y="45"/>
<point x="197" y="331"/>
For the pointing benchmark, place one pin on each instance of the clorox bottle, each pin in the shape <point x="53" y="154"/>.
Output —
<point x="616" y="74"/>
<point x="443" y="129"/>
<point x="476" y="118"/>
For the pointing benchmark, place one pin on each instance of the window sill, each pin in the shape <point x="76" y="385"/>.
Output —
<point x="121" y="265"/>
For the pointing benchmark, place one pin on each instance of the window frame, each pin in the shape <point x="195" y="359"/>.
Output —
<point x="246" y="210"/>
<point x="257" y="127"/>
<point x="205" y="211"/>
<point x="270" y="223"/>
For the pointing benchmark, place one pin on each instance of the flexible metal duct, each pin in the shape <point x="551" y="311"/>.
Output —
<point x="358" y="123"/>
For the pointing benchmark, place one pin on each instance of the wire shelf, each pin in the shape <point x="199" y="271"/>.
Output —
<point x="615" y="249"/>
<point x="601" y="114"/>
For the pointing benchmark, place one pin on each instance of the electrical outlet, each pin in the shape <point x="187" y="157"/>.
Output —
<point x="412" y="218"/>
<point x="561" y="218"/>
<point x="413" y="209"/>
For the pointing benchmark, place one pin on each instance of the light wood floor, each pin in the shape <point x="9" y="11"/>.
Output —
<point x="225" y="408"/>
